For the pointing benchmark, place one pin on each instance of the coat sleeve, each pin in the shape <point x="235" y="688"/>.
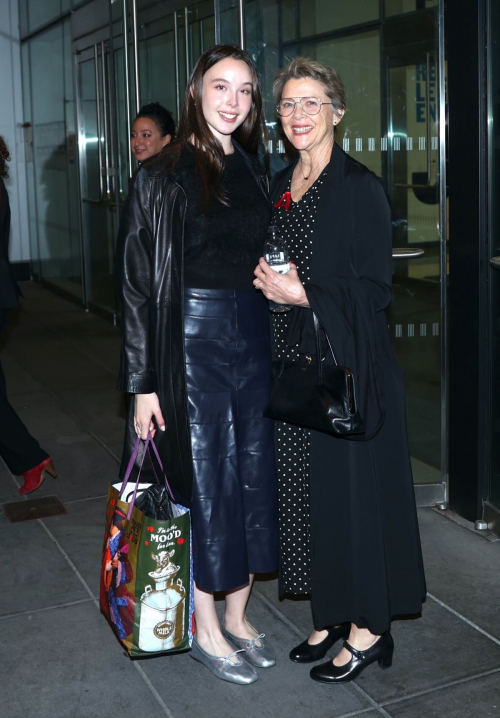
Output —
<point x="347" y="306"/>
<point x="372" y="235"/>
<point x="133" y="281"/>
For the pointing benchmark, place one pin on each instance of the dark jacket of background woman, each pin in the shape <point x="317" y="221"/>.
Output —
<point x="9" y="291"/>
<point x="149" y="271"/>
<point x="353" y="483"/>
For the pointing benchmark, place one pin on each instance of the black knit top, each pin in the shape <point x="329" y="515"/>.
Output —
<point x="223" y="244"/>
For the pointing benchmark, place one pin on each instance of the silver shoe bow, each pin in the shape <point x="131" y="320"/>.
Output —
<point x="261" y="656"/>
<point x="232" y="655"/>
<point x="252" y="643"/>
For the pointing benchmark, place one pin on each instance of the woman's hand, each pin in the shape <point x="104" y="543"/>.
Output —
<point x="280" y="288"/>
<point x="147" y="406"/>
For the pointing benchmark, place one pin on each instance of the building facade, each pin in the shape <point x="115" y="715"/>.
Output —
<point x="88" y="65"/>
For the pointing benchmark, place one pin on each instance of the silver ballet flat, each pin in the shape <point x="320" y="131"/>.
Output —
<point x="238" y="672"/>
<point x="256" y="651"/>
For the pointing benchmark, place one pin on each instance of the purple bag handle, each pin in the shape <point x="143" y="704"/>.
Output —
<point x="147" y="449"/>
<point x="152" y="444"/>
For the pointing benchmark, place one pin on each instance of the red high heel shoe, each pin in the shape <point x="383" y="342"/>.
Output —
<point x="34" y="477"/>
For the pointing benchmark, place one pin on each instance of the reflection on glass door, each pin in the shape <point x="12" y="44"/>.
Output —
<point x="492" y="506"/>
<point x="51" y="162"/>
<point x="413" y="186"/>
<point x="164" y="48"/>
<point x="97" y="174"/>
<point x="390" y="66"/>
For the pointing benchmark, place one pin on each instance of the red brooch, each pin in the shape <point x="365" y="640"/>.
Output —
<point x="284" y="202"/>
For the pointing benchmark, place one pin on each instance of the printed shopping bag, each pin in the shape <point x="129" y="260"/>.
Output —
<point x="146" y="591"/>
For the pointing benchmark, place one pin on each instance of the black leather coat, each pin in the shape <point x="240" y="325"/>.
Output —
<point x="150" y="282"/>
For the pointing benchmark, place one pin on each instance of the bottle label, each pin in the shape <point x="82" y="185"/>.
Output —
<point x="275" y="257"/>
<point x="278" y="262"/>
<point x="281" y="268"/>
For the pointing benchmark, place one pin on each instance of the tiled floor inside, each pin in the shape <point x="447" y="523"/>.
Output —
<point x="59" y="657"/>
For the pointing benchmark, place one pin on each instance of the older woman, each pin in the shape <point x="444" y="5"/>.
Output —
<point x="349" y="532"/>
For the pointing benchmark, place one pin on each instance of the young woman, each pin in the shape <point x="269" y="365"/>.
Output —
<point x="153" y="129"/>
<point x="196" y="345"/>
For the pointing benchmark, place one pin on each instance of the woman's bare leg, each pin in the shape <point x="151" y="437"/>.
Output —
<point x="208" y="633"/>
<point x="235" y="619"/>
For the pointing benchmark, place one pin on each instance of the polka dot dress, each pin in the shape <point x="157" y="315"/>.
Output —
<point x="293" y="442"/>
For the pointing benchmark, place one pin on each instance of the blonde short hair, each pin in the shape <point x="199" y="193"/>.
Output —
<point x="303" y="67"/>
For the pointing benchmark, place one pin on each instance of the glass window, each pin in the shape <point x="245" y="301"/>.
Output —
<point x="23" y="17"/>
<point x="399" y="7"/>
<point x="30" y="177"/>
<point x="317" y="16"/>
<point x="288" y="19"/>
<point x="157" y="56"/>
<point x="228" y="21"/>
<point x="55" y="178"/>
<point x="357" y="59"/>
<point x="40" y="12"/>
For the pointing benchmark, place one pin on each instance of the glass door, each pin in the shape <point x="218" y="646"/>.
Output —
<point x="95" y="117"/>
<point x="389" y="55"/>
<point x="154" y="50"/>
<point x="411" y="172"/>
<point x="492" y="505"/>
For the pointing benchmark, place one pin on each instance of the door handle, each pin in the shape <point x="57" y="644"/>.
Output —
<point x="409" y="253"/>
<point x="105" y="88"/>
<point x="177" y="72"/>
<point x="99" y="124"/>
<point x="127" y="86"/>
<point x="135" y="47"/>
<point x="495" y="262"/>
<point x="186" y="41"/>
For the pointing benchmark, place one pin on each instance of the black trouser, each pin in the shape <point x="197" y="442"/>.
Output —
<point x="18" y="448"/>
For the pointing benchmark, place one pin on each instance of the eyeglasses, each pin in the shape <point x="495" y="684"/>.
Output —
<point x="310" y="105"/>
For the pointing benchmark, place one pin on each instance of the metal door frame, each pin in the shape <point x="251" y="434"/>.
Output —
<point x="85" y="49"/>
<point x="491" y="513"/>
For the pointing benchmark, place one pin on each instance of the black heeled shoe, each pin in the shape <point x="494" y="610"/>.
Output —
<point x="307" y="653"/>
<point x="381" y="651"/>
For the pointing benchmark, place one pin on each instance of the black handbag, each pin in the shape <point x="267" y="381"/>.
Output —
<point x="315" y="395"/>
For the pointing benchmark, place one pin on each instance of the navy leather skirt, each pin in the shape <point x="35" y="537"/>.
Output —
<point x="235" y="497"/>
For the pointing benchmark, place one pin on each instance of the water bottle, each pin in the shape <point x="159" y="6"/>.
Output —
<point x="276" y="255"/>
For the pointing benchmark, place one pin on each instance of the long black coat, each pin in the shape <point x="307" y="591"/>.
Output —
<point x="9" y="290"/>
<point x="149" y="275"/>
<point x="366" y="557"/>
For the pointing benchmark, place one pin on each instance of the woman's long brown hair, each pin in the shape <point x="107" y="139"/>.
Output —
<point x="194" y="131"/>
<point x="4" y="157"/>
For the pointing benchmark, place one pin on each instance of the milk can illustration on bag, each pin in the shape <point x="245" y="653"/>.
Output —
<point x="161" y="624"/>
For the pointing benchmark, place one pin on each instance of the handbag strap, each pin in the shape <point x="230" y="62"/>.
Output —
<point x="155" y="450"/>
<point x="318" y="347"/>
<point x="147" y="450"/>
<point x="129" y="471"/>
<point x="318" y="343"/>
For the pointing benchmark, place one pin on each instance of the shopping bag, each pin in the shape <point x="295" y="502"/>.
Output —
<point x="147" y="591"/>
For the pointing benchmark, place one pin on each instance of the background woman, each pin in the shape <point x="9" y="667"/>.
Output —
<point x="196" y="345"/>
<point x="20" y="451"/>
<point x="348" y="526"/>
<point x="153" y="129"/>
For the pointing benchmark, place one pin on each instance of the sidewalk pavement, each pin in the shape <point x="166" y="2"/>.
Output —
<point x="60" y="658"/>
